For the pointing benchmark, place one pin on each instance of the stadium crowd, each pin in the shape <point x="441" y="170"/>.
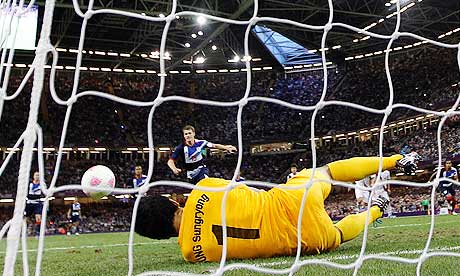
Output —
<point x="101" y="122"/>
<point x="276" y="165"/>
<point x="96" y="217"/>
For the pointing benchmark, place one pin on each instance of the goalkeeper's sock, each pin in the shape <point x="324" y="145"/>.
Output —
<point x="359" y="167"/>
<point x="351" y="226"/>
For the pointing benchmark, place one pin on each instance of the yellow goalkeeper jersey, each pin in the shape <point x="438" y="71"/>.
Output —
<point x="259" y="223"/>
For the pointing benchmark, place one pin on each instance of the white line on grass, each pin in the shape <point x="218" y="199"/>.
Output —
<point x="414" y="224"/>
<point x="94" y="246"/>
<point x="347" y="257"/>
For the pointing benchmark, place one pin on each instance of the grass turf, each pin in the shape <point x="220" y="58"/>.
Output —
<point x="106" y="254"/>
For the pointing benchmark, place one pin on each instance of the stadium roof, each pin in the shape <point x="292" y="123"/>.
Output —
<point x="286" y="51"/>
<point x="137" y="38"/>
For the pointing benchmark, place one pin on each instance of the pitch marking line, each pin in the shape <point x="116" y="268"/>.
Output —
<point x="414" y="224"/>
<point x="93" y="246"/>
<point x="347" y="257"/>
<point x="275" y="263"/>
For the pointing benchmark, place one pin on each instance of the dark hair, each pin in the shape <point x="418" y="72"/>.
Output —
<point x="293" y="166"/>
<point x="155" y="217"/>
<point x="188" y="127"/>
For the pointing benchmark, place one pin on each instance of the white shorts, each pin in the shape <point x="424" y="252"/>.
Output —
<point x="362" y="194"/>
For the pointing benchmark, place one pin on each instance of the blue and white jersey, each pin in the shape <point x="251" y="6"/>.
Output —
<point x="34" y="193"/>
<point x="448" y="174"/>
<point x="137" y="182"/>
<point x="192" y="156"/>
<point x="75" y="209"/>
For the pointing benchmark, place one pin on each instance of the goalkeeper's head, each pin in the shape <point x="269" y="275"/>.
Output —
<point x="158" y="217"/>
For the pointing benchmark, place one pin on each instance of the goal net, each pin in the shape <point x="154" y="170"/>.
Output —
<point x="32" y="137"/>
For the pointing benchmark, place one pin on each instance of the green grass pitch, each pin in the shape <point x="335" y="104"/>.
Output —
<point x="106" y="254"/>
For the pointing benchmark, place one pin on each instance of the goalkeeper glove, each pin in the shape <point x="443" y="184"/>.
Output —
<point x="408" y="164"/>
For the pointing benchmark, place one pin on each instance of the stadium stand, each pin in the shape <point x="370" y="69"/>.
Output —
<point x="120" y="125"/>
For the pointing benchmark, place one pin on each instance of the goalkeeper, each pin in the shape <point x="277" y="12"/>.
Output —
<point x="263" y="223"/>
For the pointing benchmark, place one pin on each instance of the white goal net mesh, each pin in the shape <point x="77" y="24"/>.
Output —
<point x="32" y="136"/>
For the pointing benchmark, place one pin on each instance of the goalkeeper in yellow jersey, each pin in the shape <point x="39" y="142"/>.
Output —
<point x="263" y="223"/>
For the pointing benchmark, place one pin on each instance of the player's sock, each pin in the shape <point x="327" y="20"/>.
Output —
<point x="351" y="226"/>
<point x="450" y="207"/>
<point x="359" y="167"/>
<point x="37" y="228"/>
<point x="390" y="211"/>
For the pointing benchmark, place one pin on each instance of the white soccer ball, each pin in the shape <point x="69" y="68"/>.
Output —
<point x="97" y="176"/>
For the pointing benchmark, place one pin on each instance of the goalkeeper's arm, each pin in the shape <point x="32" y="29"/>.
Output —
<point x="359" y="167"/>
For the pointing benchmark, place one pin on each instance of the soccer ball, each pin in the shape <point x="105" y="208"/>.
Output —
<point x="97" y="176"/>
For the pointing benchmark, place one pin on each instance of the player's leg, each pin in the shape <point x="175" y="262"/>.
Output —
<point x="319" y="224"/>
<point x="445" y="193"/>
<point x="318" y="231"/>
<point x="362" y="198"/>
<point x="69" y="225"/>
<point x="38" y="218"/>
<point x="69" y="228"/>
<point x="320" y="189"/>
<point x="29" y="211"/>
<point x="321" y="233"/>
<point x="389" y="209"/>
<point x="355" y="169"/>
<point x="359" y="167"/>
<point x="454" y="200"/>
<point x="359" y="203"/>
<point x="451" y="202"/>
<point x="77" y="226"/>
<point x="351" y="226"/>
